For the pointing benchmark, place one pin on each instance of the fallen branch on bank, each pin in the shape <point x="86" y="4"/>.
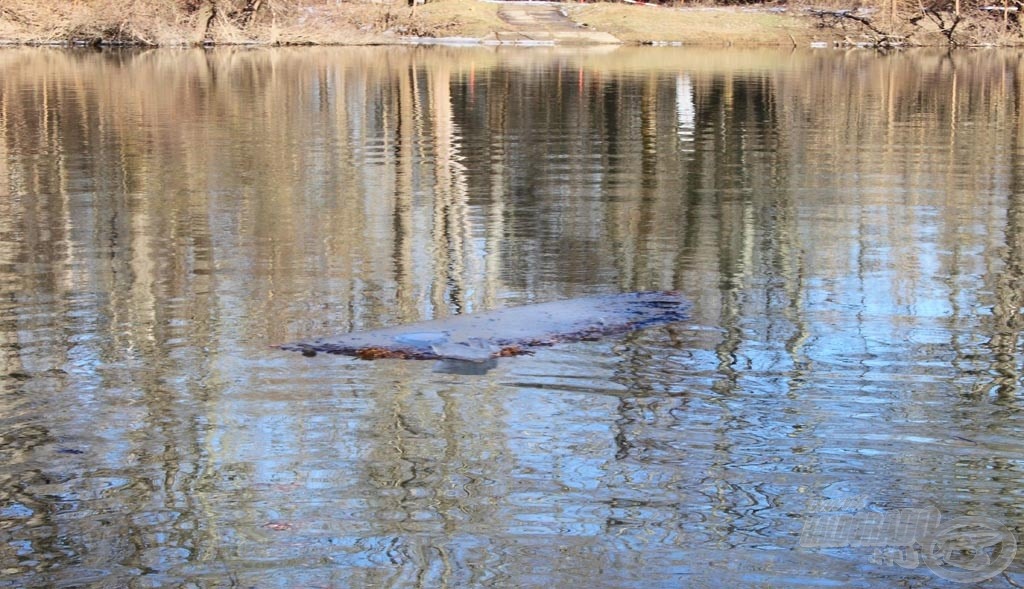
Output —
<point x="947" y="28"/>
<point x="8" y="14"/>
<point x="877" y="36"/>
<point x="961" y="23"/>
<point x="246" y="15"/>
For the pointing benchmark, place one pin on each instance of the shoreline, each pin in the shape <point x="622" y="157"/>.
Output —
<point x="478" y="22"/>
<point x="438" y="22"/>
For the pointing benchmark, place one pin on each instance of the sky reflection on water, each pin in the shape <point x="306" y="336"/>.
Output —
<point x="847" y="225"/>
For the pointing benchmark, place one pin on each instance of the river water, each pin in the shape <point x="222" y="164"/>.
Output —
<point x="848" y="225"/>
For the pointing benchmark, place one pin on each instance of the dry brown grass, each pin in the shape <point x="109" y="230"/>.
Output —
<point x="699" y="25"/>
<point x="355" y="22"/>
<point x="359" y="22"/>
<point x="115" y="21"/>
<point x="153" y="22"/>
<point x="462" y="18"/>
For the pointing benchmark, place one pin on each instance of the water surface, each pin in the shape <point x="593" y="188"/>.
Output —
<point x="848" y="225"/>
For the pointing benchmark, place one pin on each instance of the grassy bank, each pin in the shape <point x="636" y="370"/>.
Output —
<point x="191" y="22"/>
<point x="290" y="22"/>
<point x="700" y="25"/>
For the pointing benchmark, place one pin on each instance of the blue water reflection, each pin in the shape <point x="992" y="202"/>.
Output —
<point x="847" y="225"/>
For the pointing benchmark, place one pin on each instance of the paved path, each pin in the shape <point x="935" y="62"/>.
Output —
<point x="544" y="22"/>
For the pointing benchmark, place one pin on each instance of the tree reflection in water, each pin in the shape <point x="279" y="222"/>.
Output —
<point x="847" y="226"/>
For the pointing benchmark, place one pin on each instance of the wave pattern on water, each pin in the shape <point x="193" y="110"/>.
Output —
<point x="848" y="227"/>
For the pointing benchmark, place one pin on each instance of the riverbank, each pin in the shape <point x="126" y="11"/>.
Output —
<point x="304" y="22"/>
<point x="349" y="23"/>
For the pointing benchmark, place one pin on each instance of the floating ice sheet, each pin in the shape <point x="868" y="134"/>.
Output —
<point x="479" y="337"/>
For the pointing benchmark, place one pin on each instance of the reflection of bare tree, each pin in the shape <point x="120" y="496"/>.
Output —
<point x="1007" y="319"/>
<point x="260" y="195"/>
<point x="451" y="220"/>
<point x="406" y="135"/>
<point x="10" y="279"/>
<point x="103" y="276"/>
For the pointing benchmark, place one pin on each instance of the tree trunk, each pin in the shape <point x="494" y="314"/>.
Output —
<point x="249" y="12"/>
<point x="204" y="18"/>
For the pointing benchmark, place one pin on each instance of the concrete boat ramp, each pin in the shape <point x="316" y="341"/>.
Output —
<point x="543" y="23"/>
<point x="530" y="23"/>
